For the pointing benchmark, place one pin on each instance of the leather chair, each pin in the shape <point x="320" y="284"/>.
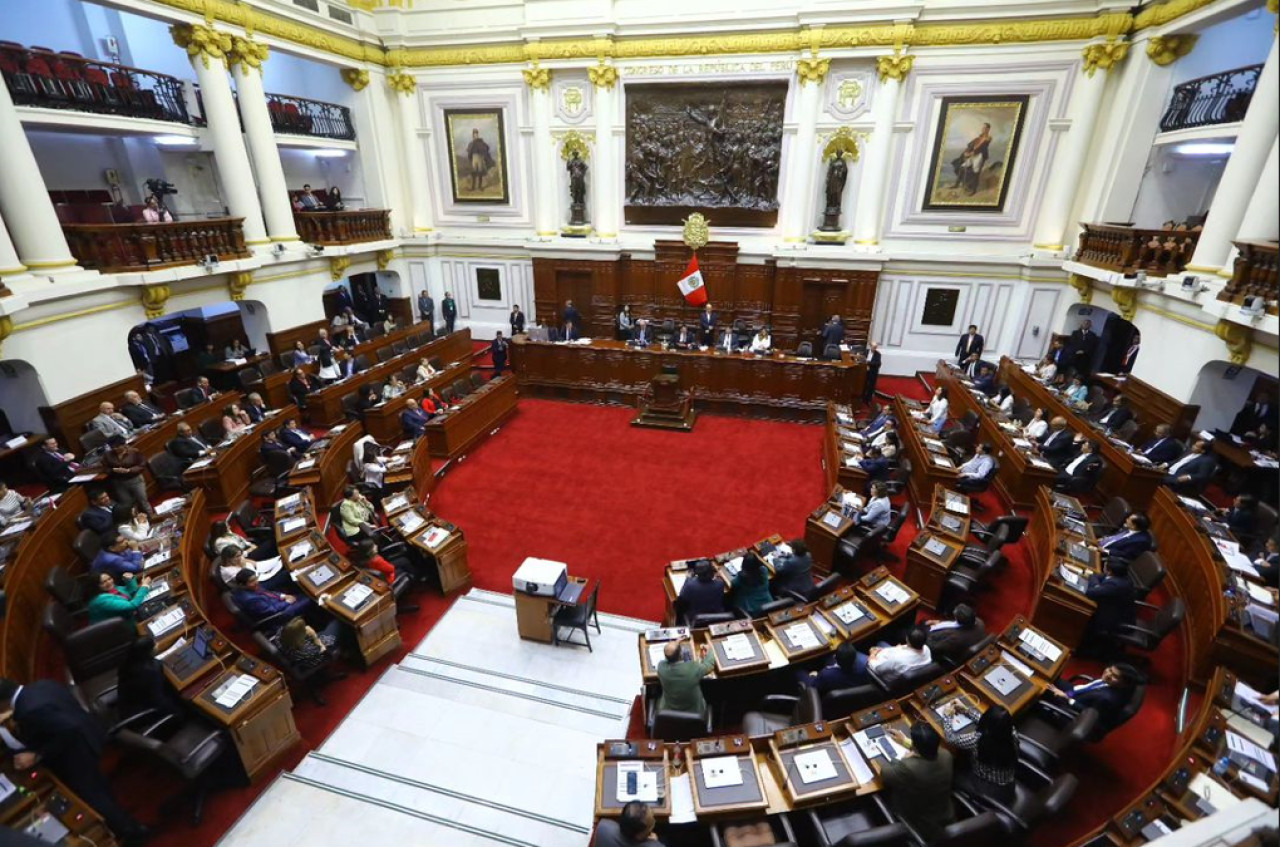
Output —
<point x="167" y="470"/>
<point x="93" y="656"/>
<point x="436" y="362"/>
<point x="1127" y="430"/>
<point x="805" y="350"/>
<point x="1006" y="529"/>
<point x="867" y="823"/>
<point x="904" y="683"/>
<point x="462" y="387"/>
<point x="1049" y="731"/>
<point x="891" y="534"/>
<point x="822" y="587"/>
<point x="671" y="725"/>
<point x="399" y="347"/>
<point x="310" y="679"/>
<point x="775" y="606"/>
<point x="831" y="352"/>
<point x="385" y="354"/>
<point x="351" y="407"/>
<point x="1112" y="516"/>
<point x="1037" y="796"/>
<point x="779" y="711"/>
<point x="92" y="440"/>
<point x="477" y="380"/>
<point x="71" y="592"/>
<point x="852" y="549"/>
<point x="188" y="747"/>
<point x="250" y="379"/>
<point x="87" y="543"/>
<point x="578" y="616"/>
<point x="1083" y="484"/>
<point x="898" y="479"/>
<point x="274" y="481"/>
<point x="965" y="577"/>
<point x="1146" y="633"/>
<point x="255" y="524"/>
<point x="709" y="618"/>
<point x="187" y="398"/>
<point x="772" y="830"/>
<point x="840" y="702"/>
<point x="1147" y="571"/>
<point x="212" y="431"/>
<point x="361" y="362"/>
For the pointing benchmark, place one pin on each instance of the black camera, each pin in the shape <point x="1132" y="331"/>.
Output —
<point x="160" y="187"/>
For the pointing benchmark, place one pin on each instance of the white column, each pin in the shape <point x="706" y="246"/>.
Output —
<point x="797" y="206"/>
<point x="406" y="88"/>
<point x="868" y="215"/>
<point x="246" y="67"/>
<point x="545" y="207"/>
<point x="10" y="264"/>
<point x="208" y="50"/>
<point x="605" y="201"/>
<point x="1253" y="144"/>
<point x="1068" y="162"/>
<point x="379" y="150"/>
<point x="24" y="201"/>
<point x="1262" y="215"/>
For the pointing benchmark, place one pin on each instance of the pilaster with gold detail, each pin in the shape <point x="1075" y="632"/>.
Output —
<point x="1083" y="286"/>
<point x="1166" y="49"/>
<point x="606" y="203"/>
<point x="383" y="258"/>
<point x="537" y="77"/>
<point x="813" y="70"/>
<point x="895" y="67"/>
<point x="402" y="83"/>
<point x="238" y="283"/>
<point x="1127" y="300"/>
<point x="603" y="76"/>
<point x="868" y="212"/>
<point x="408" y="112"/>
<point x="6" y="329"/>
<point x="154" y="298"/>
<point x="202" y="42"/>
<point x="1238" y="338"/>
<point x="1105" y="56"/>
<point x="545" y="205"/>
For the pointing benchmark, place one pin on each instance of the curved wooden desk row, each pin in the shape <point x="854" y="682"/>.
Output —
<point x="324" y="407"/>
<point x="772" y="782"/>
<point x="1124" y="475"/>
<point x="324" y="468"/>
<point x="1189" y="788"/>
<point x="931" y="466"/>
<point x="455" y="430"/>
<point x="440" y="540"/>
<point x="226" y="474"/>
<point x="39" y="802"/>
<point x="383" y="420"/>
<point x="613" y="372"/>
<point x="361" y="601"/>
<point x="839" y="465"/>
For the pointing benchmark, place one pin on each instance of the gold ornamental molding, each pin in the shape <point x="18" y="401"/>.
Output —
<point x="6" y="328"/>
<point x="247" y="53"/>
<point x="1083" y="286"/>
<point x="1104" y="56"/>
<point x="575" y="142"/>
<point x="896" y="66"/>
<point x="402" y="83"/>
<point x="383" y="258"/>
<point x="1167" y="12"/>
<point x="696" y="232"/>
<point x="338" y="267"/>
<point x="843" y="140"/>
<point x="812" y="70"/>
<point x="238" y="282"/>
<point x="537" y="77"/>
<point x="602" y="75"/>
<point x="1239" y="340"/>
<point x="203" y="41"/>
<point x="154" y="297"/>
<point x="1165" y="50"/>
<point x="1127" y="300"/>
<point x="357" y="78"/>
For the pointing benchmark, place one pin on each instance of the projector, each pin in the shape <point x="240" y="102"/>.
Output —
<point x="540" y="577"/>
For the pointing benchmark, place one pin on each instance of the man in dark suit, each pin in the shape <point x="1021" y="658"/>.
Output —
<point x="1116" y="599"/>
<point x="449" y="308"/>
<point x="875" y="465"/>
<point x="413" y="419"/>
<point x="1084" y="344"/>
<point x="271" y="444"/>
<point x="139" y="413"/>
<point x="1058" y="445"/>
<point x="186" y="445"/>
<point x="684" y="339"/>
<point x="203" y="391"/>
<point x="1163" y="448"/>
<point x="517" y="321"/>
<point x="1258" y="411"/>
<point x="426" y="308"/>
<point x="970" y="344"/>
<point x="54" y="467"/>
<point x="832" y="333"/>
<point x="258" y="604"/>
<point x="570" y="332"/>
<point x="704" y="593"/>
<point x="256" y="408"/>
<point x="51" y="729"/>
<point x="1191" y="473"/>
<point x="728" y="341"/>
<point x="1107" y="696"/>
<point x="1060" y="355"/>
<point x="1082" y="472"/>
<point x="707" y="325"/>
<point x="100" y="516"/>
<point x="952" y="639"/>
<point x="571" y="314"/>
<point x="873" y="372"/>
<point x="1116" y="415"/>
<point x="794" y="572"/>
<point x="918" y="785"/>
<point x="1133" y="539"/>
<point x="642" y="336"/>
<point x="300" y="386"/>
<point x="498" y="350"/>
<point x="986" y="381"/>
<point x="291" y="435"/>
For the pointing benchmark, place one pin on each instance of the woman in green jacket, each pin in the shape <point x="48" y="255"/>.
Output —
<point x="751" y="585"/>
<point x="118" y="601"/>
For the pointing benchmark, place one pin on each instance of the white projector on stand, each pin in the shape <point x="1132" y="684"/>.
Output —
<point x="542" y="577"/>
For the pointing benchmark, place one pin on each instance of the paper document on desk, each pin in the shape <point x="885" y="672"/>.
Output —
<point x="891" y="593"/>
<point x="237" y="691"/>
<point x="646" y="783"/>
<point x="173" y="504"/>
<point x="1253" y="697"/>
<point x="16" y="528"/>
<point x="815" y="766"/>
<point x="678" y="579"/>
<point x="738" y="648"/>
<point x="851" y="500"/>
<point x="1013" y="662"/>
<point x="957" y="504"/>
<point x="173" y="648"/>
<point x="832" y="519"/>
<point x="773" y="652"/>
<point x="1041" y="463"/>
<point x="166" y="622"/>
<point x="396" y="503"/>
<point x="301" y="550"/>
<point x="410" y="522"/>
<point x="857" y="762"/>
<point x="1237" y="743"/>
<point x="305" y="464"/>
<point x="83" y="477"/>
<point x="1022" y="443"/>
<point x="355" y="595"/>
<point x="435" y="536"/>
<point x="200" y="463"/>
<point x="293" y="525"/>
<point x="289" y="502"/>
<point x="157" y="559"/>
<point x="1040" y="644"/>
<point x="802" y="636"/>
<point x="1259" y="594"/>
<point x="848" y="613"/>
<point x="1212" y="792"/>
<point x="1002" y="680"/>
<point x="16" y="441"/>
<point x="851" y="461"/>
<point x="1192" y="503"/>
<point x="1266" y="462"/>
<point x="721" y="771"/>
<point x="681" y="793"/>
<point x="656" y="654"/>
<point x="943" y="462"/>
<point x="157" y="588"/>
<point x="734" y="566"/>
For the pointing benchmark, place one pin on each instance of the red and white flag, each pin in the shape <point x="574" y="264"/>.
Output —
<point x="691" y="284"/>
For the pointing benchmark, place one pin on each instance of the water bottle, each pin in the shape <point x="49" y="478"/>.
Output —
<point x="1222" y="766"/>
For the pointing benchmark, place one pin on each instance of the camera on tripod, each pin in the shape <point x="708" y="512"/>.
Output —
<point x="160" y="188"/>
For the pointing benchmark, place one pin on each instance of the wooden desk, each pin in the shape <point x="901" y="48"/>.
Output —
<point x="824" y="528"/>
<point x="981" y="671"/>
<point x="927" y="472"/>
<point x="929" y="559"/>
<point x="383" y="420"/>
<point x="225" y="375"/>
<point x="950" y="514"/>
<point x="836" y="466"/>
<point x="420" y="528"/>
<point x="1150" y="406"/>
<point x="612" y="372"/>
<point x="227" y="477"/>
<point x="454" y="431"/>
<point x="373" y="620"/>
<point x="1060" y="608"/>
<point x="534" y="611"/>
<point x="654" y="756"/>
<point x="748" y="796"/>
<point x="40" y="793"/>
<point x="814" y="739"/>
<point x="324" y="469"/>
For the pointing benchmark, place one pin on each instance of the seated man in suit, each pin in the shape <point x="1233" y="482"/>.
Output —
<point x="271" y="444"/>
<point x="1058" y="446"/>
<point x="728" y="341"/>
<point x="973" y="473"/>
<point x="847" y="669"/>
<point x="115" y="557"/>
<point x="1163" y="448"/>
<point x="634" y="826"/>
<point x="1083" y="471"/>
<point x="139" y="413"/>
<point x="681" y="678"/>
<point x="1116" y="599"/>
<point x="300" y="386"/>
<point x="877" y="424"/>
<point x="100" y="516"/>
<point x="255" y="407"/>
<point x="1131" y="541"/>
<point x="685" y="338"/>
<point x="1242" y="517"/>
<point x="296" y="437"/>
<point x="413" y="419"/>
<point x="1268" y="564"/>
<point x="1107" y="696"/>
<point x="794" y="572"/>
<point x="1191" y="473"/>
<point x="258" y="604"/>
<point x="642" y="335"/>
<point x="918" y="785"/>
<point x="203" y="391"/>
<point x="986" y="380"/>
<point x="1116" y="415"/>
<point x="954" y="638"/>
<point x="109" y="422"/>
<point x="702" y="594"/>
<point x="54" y="467"/>
<point x="186" y="445"/>
<point x="875" y="464"/>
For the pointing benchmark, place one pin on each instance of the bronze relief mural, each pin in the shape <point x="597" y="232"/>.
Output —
<point x="709" y="148"/>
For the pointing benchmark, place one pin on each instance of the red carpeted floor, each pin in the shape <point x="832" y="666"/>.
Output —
<point x="578" y="484"/>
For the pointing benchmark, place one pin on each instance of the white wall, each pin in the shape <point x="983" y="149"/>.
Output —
<point x="1175" y="187"/>
<point x="71" y="162"/>
<point x="1220" y="397"/>
<point x="1235" y="43"/>
<point x="21" y="396"/>
<point x="458" y="275"/>
<point x="287" y="73"/>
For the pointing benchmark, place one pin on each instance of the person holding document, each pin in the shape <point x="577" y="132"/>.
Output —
<point x="992" y="745"/>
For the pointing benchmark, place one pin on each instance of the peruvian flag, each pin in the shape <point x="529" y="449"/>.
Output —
<point x="691" y="285"/>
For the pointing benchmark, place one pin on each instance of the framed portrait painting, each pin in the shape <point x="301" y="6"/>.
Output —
<point x="477" y="155"/>
<point x="974" y="153"/>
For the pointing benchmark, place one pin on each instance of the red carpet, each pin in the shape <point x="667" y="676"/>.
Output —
<point x="578" y="484"/>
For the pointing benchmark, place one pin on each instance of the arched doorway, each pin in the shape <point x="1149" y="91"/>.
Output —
<point x="181" y="346"/>
<point x="1115" y="338"/>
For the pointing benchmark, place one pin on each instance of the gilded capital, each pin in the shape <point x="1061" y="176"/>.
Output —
<point x="402" y="83"/>
<point x="1239" y="340"/>
<point x="383" y="258"/>
<point x="203" y="41"/>
<point x="1127" y="300"/>
<point x="153" y="299"/>
<point x="1104" y="56"/>
<point x="238" y="282"/>
<point x="1167" y="49"/>
<point x="338" y="267"/>
<point x="812" y="70"/>
<point x="6" y="328"/>
<point x="896" y="66"/>
<point x="1083" y="286"/>
<point x="357" y="78"/>
<point x="602" y="75"/>
<point x="538" y="78"/>
<point x="247" y="53"/>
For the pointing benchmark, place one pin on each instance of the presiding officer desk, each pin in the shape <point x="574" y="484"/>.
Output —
<point x="773" y="385"/>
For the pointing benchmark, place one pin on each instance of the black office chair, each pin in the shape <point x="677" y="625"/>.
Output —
<point x="310" y="679"/>
<point x="853" y="549"/>
<point x="1146" y="572"/>
<point x="286" y="359"/>
<point x="575" y="617"/>
<point x="708" y="618"/>
<point x="1037" y="796"/>
<point x="831" y="352"/>
<point x="351" y="407"/>
<point x="166" y="470"/>
<point x="846" y="701"/>
<point x="1082" y="484"/>
<point x="212" y="430"/>
<point x="190" y="747"/>
<point x="673" y="725"/>
<point x="92" y="440"/>
<point x="71" y="592"/>
<point x="779" y="711"/>
<point x="187" y="398"/>
<point x="805" y="350"/>
<point x="820" y="588"/>
<point x="87" y="543"/>
<point x="250" y="379"/>
<point x="907" y="681"/>
<point x="462" y="387"/>
<point x="385" y="354"/>
<point x="477" y="380"/>
<point x="899" y="477"/>
<point x="1112" y="516"/>
<point x="1147" y="632"/>
<point x="93" y="657"/>
<point x="253" y="522"/>
<point x="773" y="830"/>
<point x="399" y="347"/>
<point x="966" y="577"/>
<point x="274" y="479"/>
<point x="899" y="517"/>
<point x="1049" y="731"/>
<point x="774" y="606"/>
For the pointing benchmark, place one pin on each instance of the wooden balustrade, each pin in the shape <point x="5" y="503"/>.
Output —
<point x="1159" y="252"/>
<point x="116" y="248"/>
<point x="1254" y="274"/>
<point x="351" y="227"/>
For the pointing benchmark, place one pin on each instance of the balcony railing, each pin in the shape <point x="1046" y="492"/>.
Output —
<point x="1159" y="252"/>
<point x="1220" y="98"/>
<point x="300" y="116"/>
<point x="327" y="228"/>
<point x="37" y="76"/>
<point x="118" y="248"/>
<point x="1254" y="274"/>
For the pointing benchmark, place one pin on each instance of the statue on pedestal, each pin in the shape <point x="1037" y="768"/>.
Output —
<point x="837" y="175"/>
<point x="577" y="168"/>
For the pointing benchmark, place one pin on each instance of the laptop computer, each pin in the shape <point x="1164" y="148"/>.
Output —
<point x="195" y="654"/>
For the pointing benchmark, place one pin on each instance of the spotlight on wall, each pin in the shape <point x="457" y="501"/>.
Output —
<point x="210" y="262"/>
<point x="1204" y="148"/>
<point x="176" y="141"/>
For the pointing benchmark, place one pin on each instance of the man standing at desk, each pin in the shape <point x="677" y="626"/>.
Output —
<point x="1084" y="344"/>
<point x="832" y="334"/>
<point x="449" y="308"/>
<point x="426" y="308"/>
<point x="499" y="352"/>
<point x="517" y="321"/>
<point x="707" y="325"/>
<point x="873" y="373"/>
<point x="970" y="344"/>
<point x="571" y="314"/>
<point x="681" y="678"/>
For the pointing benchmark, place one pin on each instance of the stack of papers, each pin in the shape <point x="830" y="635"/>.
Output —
<point x="173" y="504"/>
<point x="236" y="691"/>
<point x="403" y="447"/>
<point x="1039" y="645"/>
<point x="320" y="575"/>
<point x="289" y="502"/>
<point x="738" y="648"/>
<point x="16" y="528"/>
<point x="200" y="463"/>
<point x="1002" y="680"/>
<point x="157" y="559"/>
<point x="848" y="613"/>
<point x="167" y="621"/>
<point x="410" y="522"/>
<point x="300" y="550"/>
<point x="678" y="579"/>
<point x="857" y="762"/>
<point x="158" y="588"/>
<point x="396" y="503"/>
<point x="681" y="794"/>
<point x="646" y="783"/>
<point x="337" y="429"/>
<point x="1013" y="662"/>
<point x="802" y="636"/>
<point x="1237" y="743"/>
<point x="355" y="595"/>
<point x="293" y="525"/>
<point x="733" y="566"/>
<point x="656" y="654"/>
<point x="891" y="593"/>
<point x="435" y="536"/>
<point x="721" y="771"/>
<point x="815" y="766"/>
<point x="305" y="464"/>
<point x="957" y="504"/>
